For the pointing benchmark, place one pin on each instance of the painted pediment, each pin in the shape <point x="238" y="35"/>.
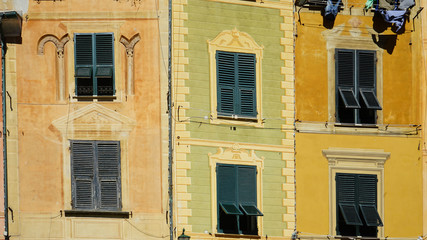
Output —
<point x="94" y="118"/>
<point x="235" y="39"/>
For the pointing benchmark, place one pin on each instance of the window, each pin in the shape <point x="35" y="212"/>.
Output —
<point x="356" y="93"/>
<point x="356" y="205"/>
<point x="94" y="64"/>
<point x="95" y="170"/>
<point x="236" y="84"/>
<point x="237" y="199"/>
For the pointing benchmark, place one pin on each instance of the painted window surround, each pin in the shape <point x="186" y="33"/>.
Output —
<point x="356" y="161"/>
<point x="95" y="27"/>
<point x="234" y="41"/>
<point x="79" y="125"/>
<point x="235" y="156"/>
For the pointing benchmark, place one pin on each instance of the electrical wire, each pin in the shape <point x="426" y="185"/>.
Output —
<point x="145" y="233"/>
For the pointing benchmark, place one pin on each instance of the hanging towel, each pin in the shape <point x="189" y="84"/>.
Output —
<point x="395" y="17"/>
<point x="331" y="10"/>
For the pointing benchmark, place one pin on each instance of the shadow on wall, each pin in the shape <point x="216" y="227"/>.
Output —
<point x="386" y="42"/>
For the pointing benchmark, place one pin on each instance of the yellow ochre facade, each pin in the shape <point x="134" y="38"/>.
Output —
<point x="343" y="139"/>
<point x="88" y="144"/>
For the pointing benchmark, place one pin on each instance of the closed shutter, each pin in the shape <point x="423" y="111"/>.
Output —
<point x="104" y="72"/>
<point x="226" y="74"/>
<point x="82" y="167"/>
<point x="84" y="55"/>
<point x="108" y="154"/>
<point x="345" y="74"/>
<point x="246" y="84"/>
<point x="346" y="191"/>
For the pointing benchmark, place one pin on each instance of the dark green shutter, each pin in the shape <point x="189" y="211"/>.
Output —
<point x="84" y="55"/>
<point x="226" y="184"/>
<point x="226" y="74"/>
<point x="246" y="84"/>
<point x="82" y="170"/>
<point x="368" y="199"/>
<point x="236" y="84"/>
<point x="367" y="79"/>
<point x="108" y="154"/>
<point x="346" y="191"/>
<point x="247" y="190"/>
<point x="104" y="54"/>
<point x="345" y="74"/>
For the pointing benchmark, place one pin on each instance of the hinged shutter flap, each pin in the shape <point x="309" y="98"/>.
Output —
<point x="349" y="212"/>
<point x="82" y="162"/>
<point x="345" y="68"/>
<point x="109" y="174"/>
<point x="370" y="99"/>
<point x="370" y="215"/>
<point x="226" y="74"/>
<point x="226" y="184"/>
<point x="347" y="96"/>
<point x="247" y="84"/>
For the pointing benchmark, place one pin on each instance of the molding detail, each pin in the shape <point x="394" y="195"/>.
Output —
<point x="59" y="44"/>
<point x="93" y="120"/>
<point x="360" y="158"/>
<point x="129" y="45"/>
<point x="236" y="40"/>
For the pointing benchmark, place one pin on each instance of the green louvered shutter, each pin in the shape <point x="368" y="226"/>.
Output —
<point x="368" y="200"/>
<point x="84" y="63"/>
<point x="367" y="79"/>
<point x="226" y="183"/>
<point x="246" y="85"/>
<point x="345" y="73"/>
<point x="108" y="154"/>
<point x="347" y="208"/>
<point x="104" y="71"/>
<point x="82" y="170"/>
<point x="226" y="74"/>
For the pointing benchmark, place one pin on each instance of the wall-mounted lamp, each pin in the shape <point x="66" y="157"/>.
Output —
<point x="183" y="236"/>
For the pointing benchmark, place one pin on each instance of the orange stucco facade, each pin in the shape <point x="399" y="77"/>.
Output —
<point x="45" y="114"/>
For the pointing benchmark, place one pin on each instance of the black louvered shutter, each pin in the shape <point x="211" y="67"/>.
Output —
<point x="108" y="154"/>
<point x="345" y="68"/>
<point x="347" y="208"/>
<point x="368" y="200"/>
<point x="366" y="69"/>
<point x="82" y="167"/>
<point x="246" y="84"/>
<point x="226" y="74"/>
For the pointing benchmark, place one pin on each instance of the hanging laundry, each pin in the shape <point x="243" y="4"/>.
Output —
<point x="369" y="4"/>
<point x="395" y="17"/>
<point x="331" y="10"/>
<point x="405" y="4"/>
<point x="387" y="4"/>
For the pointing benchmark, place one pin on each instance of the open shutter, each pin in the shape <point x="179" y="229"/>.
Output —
<point x="104" y="43"/>
<point x="345" y="75"/>
<point x="346" y="199"/>
<point x="246" y="177"/>
<point x="367" y="78"/>
<point x="226" y="74"/>
<point x="108" y="154"/>
<point x="82" y="167"/>
<point x="246" y="84"/>
<point x="226" y="187"/>
<point x="368" y="200"/>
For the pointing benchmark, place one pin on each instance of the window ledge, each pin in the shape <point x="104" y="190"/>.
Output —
<point x="90" y="98"/>
<point x="97" y="214"/>
<point x="228" y="235"/>
<point x="253" y="122"/>
<point x="356" y="125"/>
<point x="356" y="237"/>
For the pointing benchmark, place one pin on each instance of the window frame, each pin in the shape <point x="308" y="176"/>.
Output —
<point x="236" y="42"/>
<point x="355" y="161"/>
<point x="95" y="66"/>
<point x="241" y="214"/>
<point x="96" y="178"/>
<point x="356" y="88"/>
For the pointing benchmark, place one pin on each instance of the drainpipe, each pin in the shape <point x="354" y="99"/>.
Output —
<point x="3" y="80"/>
<point x="170" y="160"/>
